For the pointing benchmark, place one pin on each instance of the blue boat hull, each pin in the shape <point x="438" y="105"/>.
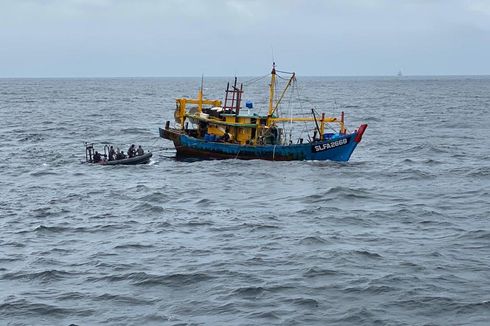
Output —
<point x="339" y="149"/>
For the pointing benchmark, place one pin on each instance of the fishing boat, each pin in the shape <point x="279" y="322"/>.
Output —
<point x="220" y="130"/>
<point x="91" y="157"/>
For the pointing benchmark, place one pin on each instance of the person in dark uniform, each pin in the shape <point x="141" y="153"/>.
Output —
<point x="112" y="153"/>
<point x="274" y="134"/>
<point x="97" y="157"/>
<point x="203" y="128"/>
<point x="131" y="151"/>
<point x="226" y="136"/>
<point x="120" y="155"/>
<point x="140" y="151"/>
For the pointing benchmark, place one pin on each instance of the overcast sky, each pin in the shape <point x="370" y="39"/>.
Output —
<point x="70" y="38"/>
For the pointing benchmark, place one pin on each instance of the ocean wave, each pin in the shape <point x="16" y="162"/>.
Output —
<point x="371" y="289"/>
<point x="421" y="161"/>
<point x="135" y="131"/>
<point x="249" y="291"/>
<point x="144" y="279"/>
<point x="475" y="235"/>
<point x="14" y="244"/>
<point x="436" y="304"/>
<point x="32" y="138"/>
<point x="304" y="302"/>
<point x="25" y="308"/>
<point x="337" y="192"/>
<point x="8" y="260"/>
<point x="358" y="315"/>
<point x="482" y="307"/>
<point x="372" y="119"/>
<point x="53" y="229"/>
<point x="480" y="172"/>
<point x="43" y="276"/>
<point x="134" y="246"/>
<point x="427" y="148"/>
<point x="197" y="222"/>
<point x="73" y="295"/>
<point x="203" y="201"/>
<point x="260" y="226"/>
<point x="43" y="173"/>
<point x="156" y="197"/>
<point x="177" y="279"/>
<point x="314" y="210"/>
<point x="148" y="208"/>
<point x="111" y="227"/>
<point x="313" y="240"/>
<point x="265" y="315"/>
<point x="414" y="174"/>
<point x="367" y="254"/>
<point x="316" y="272"/>
<point x="122" y="299"/>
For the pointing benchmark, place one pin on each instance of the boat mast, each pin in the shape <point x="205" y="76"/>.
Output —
<point x="293" y="76"/>
<point x="199" y="95"/>
<point x="271" y="93"/>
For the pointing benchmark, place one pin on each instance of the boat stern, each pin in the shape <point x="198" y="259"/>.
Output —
<point x="171" y="134"/>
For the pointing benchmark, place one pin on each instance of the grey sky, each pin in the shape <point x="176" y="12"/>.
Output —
<point x="53" y="38"/>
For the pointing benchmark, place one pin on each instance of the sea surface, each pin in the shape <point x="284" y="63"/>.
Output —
<point x="399" y="235"/>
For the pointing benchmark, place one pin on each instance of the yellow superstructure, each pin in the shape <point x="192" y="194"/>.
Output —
<point x="245" y="129"/>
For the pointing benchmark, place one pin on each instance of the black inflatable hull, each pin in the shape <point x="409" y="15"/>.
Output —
<point x="142" y="159"/>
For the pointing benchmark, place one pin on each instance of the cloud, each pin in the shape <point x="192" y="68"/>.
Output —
<point x="222" y="37"/>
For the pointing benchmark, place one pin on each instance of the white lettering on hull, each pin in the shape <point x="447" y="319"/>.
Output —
<point x="330" y="145"/>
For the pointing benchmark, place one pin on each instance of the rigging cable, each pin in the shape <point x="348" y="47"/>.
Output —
<point x="254" y="80"/>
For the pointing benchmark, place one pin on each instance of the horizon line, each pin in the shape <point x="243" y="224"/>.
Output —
<point x="224" y="76"/>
